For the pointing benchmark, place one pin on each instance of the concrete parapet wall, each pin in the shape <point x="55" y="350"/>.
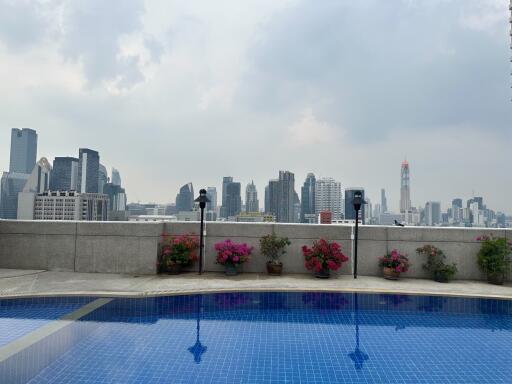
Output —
<point x="131" y="248"/>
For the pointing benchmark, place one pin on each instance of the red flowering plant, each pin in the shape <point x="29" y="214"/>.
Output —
<point x="229" y="252"/>
<point x="323" y="256"/>
<point x="181" y="250"/>
<point x="396" y="261"/>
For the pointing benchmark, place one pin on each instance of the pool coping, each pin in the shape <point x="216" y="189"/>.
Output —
<point x="68" y="284"/>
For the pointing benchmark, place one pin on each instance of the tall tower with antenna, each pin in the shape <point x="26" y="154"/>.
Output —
<point x="405" y="188"/>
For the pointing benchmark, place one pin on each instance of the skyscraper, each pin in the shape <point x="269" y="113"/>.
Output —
<point x="272" y="197"/>
<point x="102" y="177"/>
<point x="38" y="182"/>
<point x="251" y="199"/>
<point x="233" y="205"/>
<point x="185" y="198"/>
<point x="405" y="189"/>
<point x="64" y="174"/>
<point x="116" y="201"/>
<point x="116" y="177"/>
<point x="350" y="212"/>
<point x="328" y="197"/>
<point x="286" y="197"/>
<point x="383" y="201"/>
<point x="88" y="171"/>
<point x="307" y="194"/>
<point x="211" y="193"/>
<point x="225" y="181"/>
<point x="11" y="184"/>
<point x="432" y="213"/>
<point x="23" y="150"/>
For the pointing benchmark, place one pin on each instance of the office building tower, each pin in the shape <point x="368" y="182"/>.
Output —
<point x="11" y="185"/>
<point x="116" y="202"/>
<point x="252" y="204"/>
<point x="350" y="212"/>
<point x="233" y="205"/>
<point x="225" y="181"/>
<point x="116" y="177"/>
<point x="71" y="205"/>
<point x="272" y="197"/>
<point x="64" y="174"/>
<point x="88" y="171"/>
<point x="383" y="201"/>
<point x="307" y="193"/>
<point x="38" y="182"/>
<point x="286" y="198"/>
<point x="432" y="213"/>
<point x="23" y="150"/>
<point x="185" y="198"/>
<point x="478" y="200"/>
<point x="328" y="197"/>
<point x="405" y="188"/>
<point x="102" y="177"/>
<point x="211" y="193"/>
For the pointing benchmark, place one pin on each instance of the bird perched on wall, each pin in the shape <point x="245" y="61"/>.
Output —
<point x="399" y="224"/>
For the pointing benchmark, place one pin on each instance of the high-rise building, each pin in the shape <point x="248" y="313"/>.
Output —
<point x="478" y="200"/>
<point x="233" y="205"/>
<point x="432" y="213"/>
<point x="252" y="204"/>
<point x="88" y="171"/>
<point x="307" y="194"/>
<point x="38" y="182"/>
<point x="272" y="197"/>
<point x="23" y="150"/>
<point x="405" y="188"/>
<point x="383" y="201"/>
<point x="116" y="177"/>
<point x="11" y="184"/>
<point x="116" y="201"/>
<point x="102" y="177"/>
<point x="185" y="198"/>
<point x="350" y="212"/>
<point x="64" y="174"/>
<point x="211" y="193"/>
<point x="286" y="198"/>
<point x="225" y="181"/>
<point x="328" y="197"/>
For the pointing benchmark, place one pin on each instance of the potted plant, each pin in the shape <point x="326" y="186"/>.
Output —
<point x="393" y="264"/>
<point x="435" y="264"/>
<point x="178" y="252"/>
<point x="494" y="258"/>
<point x="231" y="255"/>
<point x="273" y="247"/>
<point x="323" y="257"/>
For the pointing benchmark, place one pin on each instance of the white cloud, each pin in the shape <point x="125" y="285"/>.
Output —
<point x="310" y="131"/>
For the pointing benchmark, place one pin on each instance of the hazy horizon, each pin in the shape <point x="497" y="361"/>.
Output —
<point x="172" y="92"/>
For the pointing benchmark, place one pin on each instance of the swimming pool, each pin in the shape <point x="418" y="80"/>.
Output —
<point x="263" y="337"/>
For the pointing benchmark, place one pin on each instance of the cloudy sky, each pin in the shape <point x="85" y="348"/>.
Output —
<point x="175" y="91"/>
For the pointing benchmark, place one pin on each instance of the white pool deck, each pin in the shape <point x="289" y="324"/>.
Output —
<point x="28" y="283"/>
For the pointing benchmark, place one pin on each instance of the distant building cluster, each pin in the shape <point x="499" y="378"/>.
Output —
<point x="79" y="188"/>
<point x="72" y="189"/>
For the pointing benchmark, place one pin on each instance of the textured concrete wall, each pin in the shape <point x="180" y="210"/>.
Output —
<point x="122" y="247"/>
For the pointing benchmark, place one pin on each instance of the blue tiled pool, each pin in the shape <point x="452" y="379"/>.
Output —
<point x="278" y="338"/>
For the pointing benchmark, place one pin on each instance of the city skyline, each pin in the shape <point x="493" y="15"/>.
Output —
<point x="197" y="83"/>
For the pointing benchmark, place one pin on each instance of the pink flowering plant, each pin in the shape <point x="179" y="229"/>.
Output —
<point x="396" y="261"/>
<point x="323" y="255"/>
<point x="180" y="249"/>
<point x="229" y="252"/>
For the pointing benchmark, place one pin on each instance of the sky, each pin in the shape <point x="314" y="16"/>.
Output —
<point x="171" y="92"/>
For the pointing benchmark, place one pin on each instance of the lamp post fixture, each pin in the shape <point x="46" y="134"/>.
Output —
<point x="202" y="200"/>
<point x="358" y="200"/>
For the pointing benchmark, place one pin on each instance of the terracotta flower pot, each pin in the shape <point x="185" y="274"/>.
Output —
<point x="324" y="273"/>
<point x="231" y="270"/>
<point x="390" y="273"/>
<point x="173" y="269"/>
<point x="496" y="278"/>
<point x="274" y="269"/>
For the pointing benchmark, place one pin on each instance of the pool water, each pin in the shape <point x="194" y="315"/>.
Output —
<point x="276" y="338"/>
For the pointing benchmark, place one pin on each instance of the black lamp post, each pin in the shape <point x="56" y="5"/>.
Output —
<point x="358" y="200"/>
<point x="202" y="200"/>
